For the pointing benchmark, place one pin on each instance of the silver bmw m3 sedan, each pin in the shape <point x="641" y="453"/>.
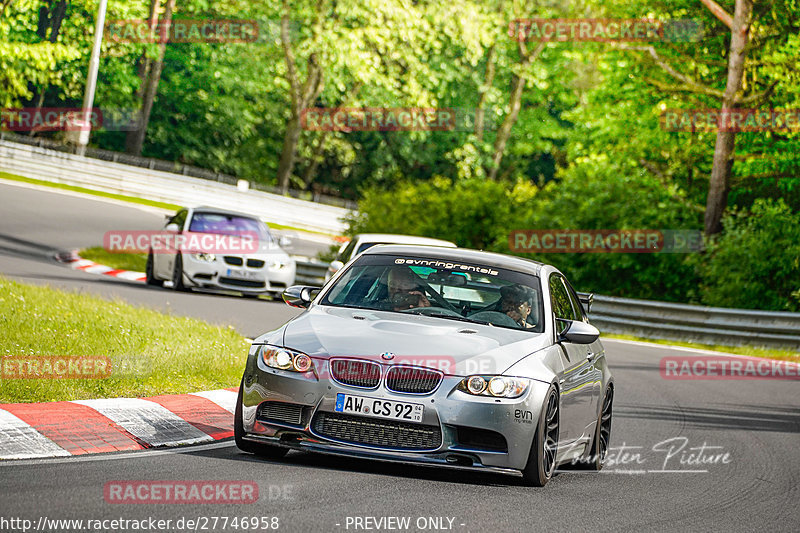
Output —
<point x="436" y="356"/>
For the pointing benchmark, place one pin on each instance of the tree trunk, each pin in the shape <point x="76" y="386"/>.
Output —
<point x="143" y="68"/>
<point x="316" y="158"/>
<point x="50" y="17"/>
<point x="151" y="75"/>
<point x="488" y="80"/>
<point x="301" y="97"/>
<point x="719" y="184"/>
<point x="515" y="102"/>
<point x="286" y="164"/>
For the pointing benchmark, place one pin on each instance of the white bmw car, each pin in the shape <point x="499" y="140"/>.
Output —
<point x="220" y="249"/>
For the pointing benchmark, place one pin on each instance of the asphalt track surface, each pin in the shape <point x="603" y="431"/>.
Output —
<point x="757" y="423"/>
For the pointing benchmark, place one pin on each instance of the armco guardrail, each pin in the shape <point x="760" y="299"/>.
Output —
<point x="172" y="167"/>
<point x="710" y="325"/>
<point x="661" y="320"/>
<point x="311" y="273"/>
<point x="59" y="167"/>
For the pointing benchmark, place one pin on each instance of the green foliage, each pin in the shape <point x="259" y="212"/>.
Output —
<point x="755" y="263"/>
<point x="587" y="150"/>
<point x="596" y="194"/>
<point x="473" y="213"/>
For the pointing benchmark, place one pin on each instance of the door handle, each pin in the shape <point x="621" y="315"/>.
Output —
<point x="590" y="356"/>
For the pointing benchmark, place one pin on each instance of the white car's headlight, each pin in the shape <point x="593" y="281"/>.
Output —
<point x="202" y="256"/>
<point x="496" y="386"/>
<point x="285" y="359"/>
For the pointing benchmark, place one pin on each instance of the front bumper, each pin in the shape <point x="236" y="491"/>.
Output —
<point x="461" y="430"/>
<point x="244" y="273"/>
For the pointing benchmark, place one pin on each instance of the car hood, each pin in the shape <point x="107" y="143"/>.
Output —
<point x="458" y="348"/>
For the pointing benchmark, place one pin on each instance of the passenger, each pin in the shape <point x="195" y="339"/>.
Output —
<point x="405" y="290"/>
<point x="517" y="301"/>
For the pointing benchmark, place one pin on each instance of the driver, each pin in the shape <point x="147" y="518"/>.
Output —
<point x="517" y="301"/>
<point x="405" y="290"/>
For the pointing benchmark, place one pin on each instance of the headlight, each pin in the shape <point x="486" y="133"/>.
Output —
<point x="497" y="386"/>
<point x="202" y="256"/>
<point x="476" y="384"/>
<point x="285" y="359"/>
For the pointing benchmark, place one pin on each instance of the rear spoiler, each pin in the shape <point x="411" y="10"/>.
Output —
<point x="586" y="299"/>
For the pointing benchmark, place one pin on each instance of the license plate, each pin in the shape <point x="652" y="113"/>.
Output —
<point x="242" y="274"/>
<point x="360" y="405"/>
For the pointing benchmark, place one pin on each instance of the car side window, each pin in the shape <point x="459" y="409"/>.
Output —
<point x="576" y="303"/>
<point x="559" y="298"/>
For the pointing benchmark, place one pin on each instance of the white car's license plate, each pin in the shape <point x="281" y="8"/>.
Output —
<point x="360" y="405"/>
<point x="241" y="274"/>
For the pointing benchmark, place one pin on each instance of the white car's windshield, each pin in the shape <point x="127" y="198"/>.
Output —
<point x="221" y="224"/>
<point x="441" y="288"/>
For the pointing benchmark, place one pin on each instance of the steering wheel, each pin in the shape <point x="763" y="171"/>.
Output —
<point x="495" y="318"/>
<point x="439" y="299"/>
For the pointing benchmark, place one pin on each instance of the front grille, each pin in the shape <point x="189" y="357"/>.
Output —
<point x="255" y="263"/>
<point x="412" y="379"/>
<point x="242" y="283"/>
<point x="233" y="260"/>
<point x="376" y="432"/>
<point x="288" y="413"/>
<point x="356" y="373"/>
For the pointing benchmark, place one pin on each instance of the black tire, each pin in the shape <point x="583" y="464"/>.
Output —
<point x="602" y="434"/>
<point x="262" y="450"/>
<point x="542" y="457"/>
<point x="177" y="274"/>
<point x="150" y="278"/>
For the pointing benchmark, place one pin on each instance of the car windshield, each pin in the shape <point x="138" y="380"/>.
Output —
<point x="221" y="224"/>
<point x="446" y="289"/>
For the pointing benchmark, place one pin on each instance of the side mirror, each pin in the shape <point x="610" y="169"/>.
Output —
<point x="578" y="332"/>
<point x="284" y="241"/>
<point x="172" y="228"/>
<point x="300" y="295"/>
<point x="335" y="266"/>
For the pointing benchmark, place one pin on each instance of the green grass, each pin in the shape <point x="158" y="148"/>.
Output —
<point x="132" y="199"/>
<point x="770" y="353"/>
<point x="98" y="254"/>
<point x="151" y="353"/>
